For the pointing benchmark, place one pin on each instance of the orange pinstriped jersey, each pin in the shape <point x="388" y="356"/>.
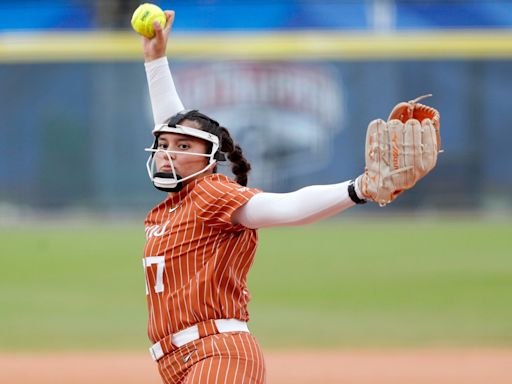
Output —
<point x="196" y="261"/>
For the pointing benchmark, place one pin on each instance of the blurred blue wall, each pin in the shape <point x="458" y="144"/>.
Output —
<point x="73" y="134"/>
<point x="261" y="15"/>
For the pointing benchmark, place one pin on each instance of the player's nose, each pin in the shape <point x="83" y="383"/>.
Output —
<point x="167" y="155"/>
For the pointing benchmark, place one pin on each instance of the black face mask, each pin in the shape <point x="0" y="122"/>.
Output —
<point x="165" y="175"/>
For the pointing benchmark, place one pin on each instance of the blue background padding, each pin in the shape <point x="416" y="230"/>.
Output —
<point x="224" y="15"/>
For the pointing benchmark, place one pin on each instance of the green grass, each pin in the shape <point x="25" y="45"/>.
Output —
<point x="390" y="283"/>
<point x="72" y="287"/>
<point x="354" y="283"/>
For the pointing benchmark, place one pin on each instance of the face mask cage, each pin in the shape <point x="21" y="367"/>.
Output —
<point x="171" y="181"/>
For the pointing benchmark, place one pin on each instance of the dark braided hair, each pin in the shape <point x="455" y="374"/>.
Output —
<point x="239" y="164"/>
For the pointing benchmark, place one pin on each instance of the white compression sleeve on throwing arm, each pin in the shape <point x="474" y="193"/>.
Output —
<point x="165" y="101"/>
<point x="304" y="206"/>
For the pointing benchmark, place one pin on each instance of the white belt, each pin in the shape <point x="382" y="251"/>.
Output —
<point x="192" y="333"/>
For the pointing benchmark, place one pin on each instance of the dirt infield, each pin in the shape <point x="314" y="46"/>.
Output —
<point x="476" y="366"/>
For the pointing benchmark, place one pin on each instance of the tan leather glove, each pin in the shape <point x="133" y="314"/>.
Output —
<point x="401" y="151"/>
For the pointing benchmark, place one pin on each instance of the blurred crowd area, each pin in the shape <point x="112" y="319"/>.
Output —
<point x="263" y="15"/>
<point x="73" y="128"/>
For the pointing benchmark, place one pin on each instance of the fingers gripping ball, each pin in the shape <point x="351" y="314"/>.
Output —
<point x="144" y="17"/>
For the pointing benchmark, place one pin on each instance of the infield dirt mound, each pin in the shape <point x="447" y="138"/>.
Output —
<point x="284" y="367"/>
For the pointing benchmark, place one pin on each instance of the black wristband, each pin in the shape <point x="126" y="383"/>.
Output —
<point x="353" y="195"/>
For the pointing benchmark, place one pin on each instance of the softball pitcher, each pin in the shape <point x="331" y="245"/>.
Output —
<point x="201" y="240"/>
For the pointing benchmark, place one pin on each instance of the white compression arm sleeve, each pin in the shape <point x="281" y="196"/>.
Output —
<point x="304" y="206"/>
<point x="165" y="101"/>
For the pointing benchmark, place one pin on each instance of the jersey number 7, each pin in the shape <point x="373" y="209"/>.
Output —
<point x="159" y="261"/>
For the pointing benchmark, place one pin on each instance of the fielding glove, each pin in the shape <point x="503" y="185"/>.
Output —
<point x="400" y="152"/>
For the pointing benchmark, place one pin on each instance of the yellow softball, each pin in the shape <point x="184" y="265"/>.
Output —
<point x="144" y="17"/>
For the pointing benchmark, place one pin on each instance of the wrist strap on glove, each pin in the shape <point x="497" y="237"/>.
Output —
<point x="353" y="195"/>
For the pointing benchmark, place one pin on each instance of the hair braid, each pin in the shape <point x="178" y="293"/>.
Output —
<point x="240" y="166"/>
